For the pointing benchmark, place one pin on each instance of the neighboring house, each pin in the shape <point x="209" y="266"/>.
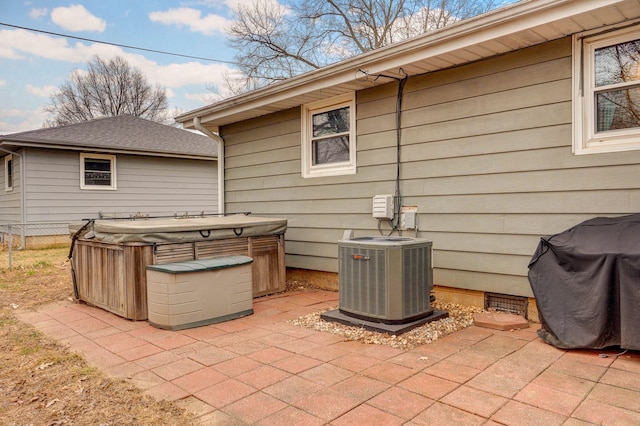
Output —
<point x="515" y="124"/>
<point x="117" y="166"/>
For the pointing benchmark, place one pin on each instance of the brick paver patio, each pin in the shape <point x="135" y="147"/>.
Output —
<point x="263" y="370"/>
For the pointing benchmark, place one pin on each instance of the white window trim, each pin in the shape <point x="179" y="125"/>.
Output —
<point x="7" y="159"/>
<point x="333" y="169"/>
<point x="585" y="139"/>
<point x="112" y="158"/>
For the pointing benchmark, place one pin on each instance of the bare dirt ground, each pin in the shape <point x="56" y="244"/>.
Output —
<point x="42" y="382"/>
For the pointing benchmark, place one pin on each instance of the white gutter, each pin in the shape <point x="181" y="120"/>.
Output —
<point x="85" y="148"/>
<point x="198" y="126"/>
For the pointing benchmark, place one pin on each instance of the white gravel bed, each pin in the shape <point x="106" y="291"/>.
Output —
<point x="459" y="317"/>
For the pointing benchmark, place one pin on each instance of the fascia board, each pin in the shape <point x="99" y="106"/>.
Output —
<point x="23" y="144"/>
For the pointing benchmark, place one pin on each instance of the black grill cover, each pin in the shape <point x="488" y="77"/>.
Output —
<point x="586" y="281"/>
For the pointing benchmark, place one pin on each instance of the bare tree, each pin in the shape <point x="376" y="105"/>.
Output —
<point x="275" y="41"/>
<point x="107" y="88"/>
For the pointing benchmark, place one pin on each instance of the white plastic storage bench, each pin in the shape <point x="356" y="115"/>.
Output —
<point x="199" y="292"/>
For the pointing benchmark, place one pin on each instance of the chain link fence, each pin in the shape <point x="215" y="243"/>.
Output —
<point x="34" y="235"/>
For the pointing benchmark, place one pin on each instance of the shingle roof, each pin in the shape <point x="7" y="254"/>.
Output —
<point x="123" y="133"/>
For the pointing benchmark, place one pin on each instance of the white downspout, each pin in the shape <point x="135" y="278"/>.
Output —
<point x="198" y="125"/>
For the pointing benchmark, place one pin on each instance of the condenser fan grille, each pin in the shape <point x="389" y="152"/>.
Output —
<point x="364" y="289"/>
<point x="416" y="284"/>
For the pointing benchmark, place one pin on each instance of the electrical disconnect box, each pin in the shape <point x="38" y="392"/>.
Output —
<point x="383" y="206"/>
<point x="408" y="216"/>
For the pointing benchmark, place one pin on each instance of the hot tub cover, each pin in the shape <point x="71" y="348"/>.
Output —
<point x="185" y="229"/>
<point x="586" y="281"/>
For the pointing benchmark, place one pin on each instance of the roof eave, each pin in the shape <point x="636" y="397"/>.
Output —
<point x="7" y="142"/>
<point x="504" y="21"/>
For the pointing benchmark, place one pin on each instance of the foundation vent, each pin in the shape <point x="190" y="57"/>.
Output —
<point x="506" y="303"/>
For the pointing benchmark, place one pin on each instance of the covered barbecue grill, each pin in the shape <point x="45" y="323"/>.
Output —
<point x="110" y="258"/>
<point x="586" y="281"/>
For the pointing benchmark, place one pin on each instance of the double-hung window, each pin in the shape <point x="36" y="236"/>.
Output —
<point x="97" y="171"/>
<point x="8" y="173"/>
<point x="329" y="137"/>
<point x="607" y="91"/>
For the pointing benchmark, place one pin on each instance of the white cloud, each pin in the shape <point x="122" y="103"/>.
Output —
<point x="179" y="75"/>
<point x="21" y="120"/>
<point x="7" y="51"/>
<point x="3" y="82"/>
<point x="16" y="43"/>
<point x="36" y="13"/>
<point x="203" y="98"/>
<point x="233" y="4"/>
<point x="45" y="91"/>
<point x="175" y="78"/>
<point x="192" y="19"/>
<point x="6" y="112"/>
<point x="77" y="18"/>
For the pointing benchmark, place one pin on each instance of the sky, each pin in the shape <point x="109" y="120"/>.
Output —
<point x="34" y="64"/>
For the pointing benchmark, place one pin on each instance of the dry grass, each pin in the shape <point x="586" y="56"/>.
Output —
<point x="42" y="382"/>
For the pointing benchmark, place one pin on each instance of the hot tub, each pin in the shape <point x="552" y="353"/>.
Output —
<point x="110" y="258"/>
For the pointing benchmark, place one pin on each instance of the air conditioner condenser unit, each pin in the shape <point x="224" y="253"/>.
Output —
<point x="385" y="279"/>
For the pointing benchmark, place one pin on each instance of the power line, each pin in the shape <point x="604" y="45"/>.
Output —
<point x="118" y="45"/>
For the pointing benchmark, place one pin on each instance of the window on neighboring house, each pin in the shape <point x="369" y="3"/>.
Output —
<point x="8" y="172"/>
<point x="329" y="137"/>
<point x="97" y="171"/>
<point x="607" y="91"/>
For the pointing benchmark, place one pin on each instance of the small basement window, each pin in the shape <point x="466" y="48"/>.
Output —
<point x="329" y="137"/>
<point x="97" y="171"/>
<point x="607" y="91"/>
<point x="8" y="173"/>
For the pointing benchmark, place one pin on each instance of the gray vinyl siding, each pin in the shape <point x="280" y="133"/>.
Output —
<point x="486" y="157"/>
<point x="151" y="185"/>
<point x="10" y="200"/>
